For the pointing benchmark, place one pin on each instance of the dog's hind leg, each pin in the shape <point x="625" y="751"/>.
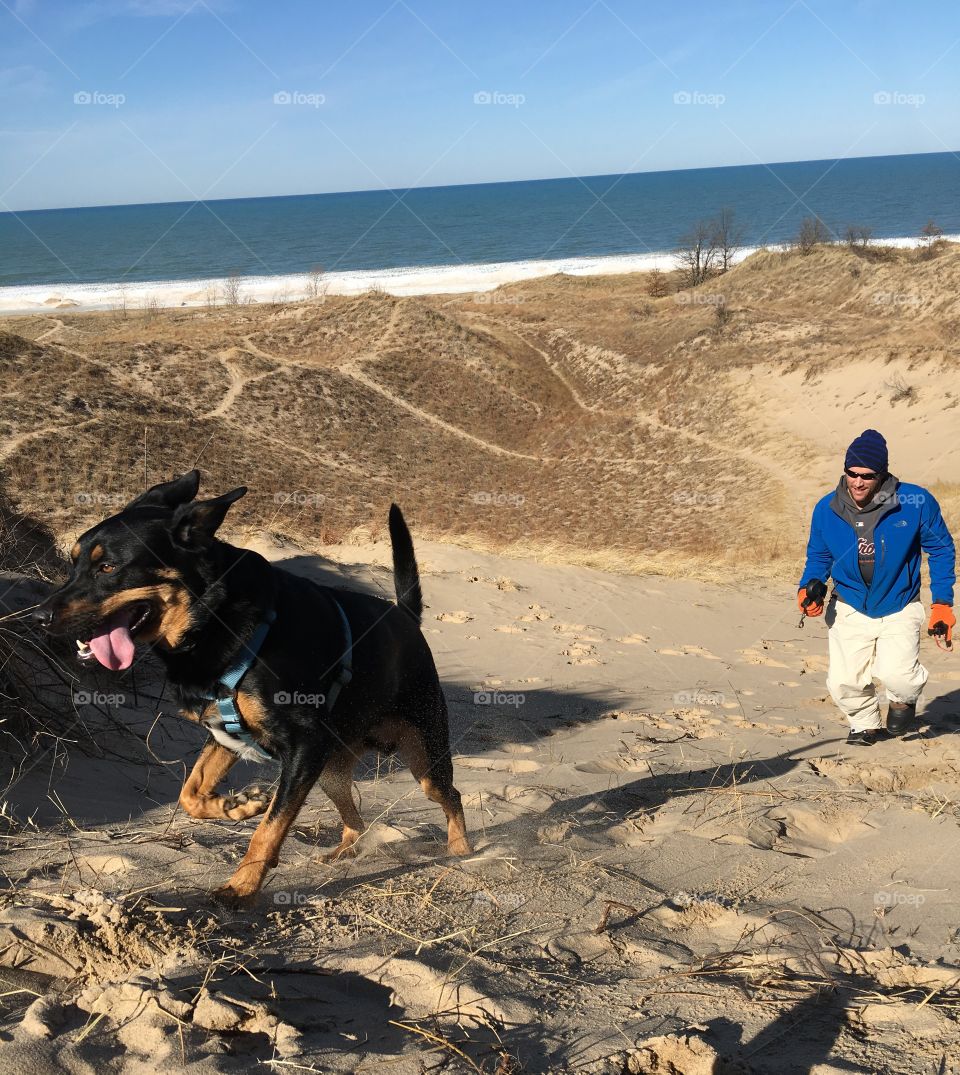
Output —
<point x="337" y="781"/>
<point x="426" y="751"/>
<point x="198" y="795"/>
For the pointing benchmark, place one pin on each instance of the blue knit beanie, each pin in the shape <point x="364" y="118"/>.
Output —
<point x="868" y="450"/>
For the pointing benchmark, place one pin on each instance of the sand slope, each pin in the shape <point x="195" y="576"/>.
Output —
<point x="678" y="862"/>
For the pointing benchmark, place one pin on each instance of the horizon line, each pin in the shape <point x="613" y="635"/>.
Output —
<point x="483" y="183"/>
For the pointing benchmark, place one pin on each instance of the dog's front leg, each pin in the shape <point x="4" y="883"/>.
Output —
<point x="297" y="777"/>
<point x="198" y="795"/>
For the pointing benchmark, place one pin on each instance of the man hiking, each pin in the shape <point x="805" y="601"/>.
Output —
<point x="869" y="535"/>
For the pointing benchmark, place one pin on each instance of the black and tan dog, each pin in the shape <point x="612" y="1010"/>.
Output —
<point x="324" y="674"/>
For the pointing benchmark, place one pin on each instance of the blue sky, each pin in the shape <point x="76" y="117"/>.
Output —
<point x="118" y="101"/>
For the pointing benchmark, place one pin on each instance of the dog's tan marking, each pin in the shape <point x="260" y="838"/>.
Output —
<point x="78" y="608"/>
<point x="253" y="712"/>
<point x="437" y="784"/>
<point x="264" y="851"/>
<point x="337" y="782"/>
<point x="75" y="552"/>
<point x="174" y="603"/>
<point x="198" y="796"/>
<point x="96" y="553"/>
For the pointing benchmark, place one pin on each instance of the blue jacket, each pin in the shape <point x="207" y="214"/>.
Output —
<point x="911" y="525"/>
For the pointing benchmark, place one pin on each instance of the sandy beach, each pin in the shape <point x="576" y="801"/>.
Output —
<point x="674" y="851"/>
<point x="441" y="280"/>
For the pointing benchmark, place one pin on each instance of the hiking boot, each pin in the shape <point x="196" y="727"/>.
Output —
<point x="901" y="717"/>
<point x="865" y="738"/>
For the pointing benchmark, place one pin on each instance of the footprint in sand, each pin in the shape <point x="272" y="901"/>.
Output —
<point x="498" y="765"/>
<point x="535" y="613"/>
<point x="805" y="832"/>
<point x="690" y="651"/>
<point x="455" y="617"/>
<point x="510" y="629"/>
<point x="629" y="761"/>
<point x="887" y="777"/>
<point x="756" y="656"/>
<point x="581" y="653"/>
<point x="633" y="640"/>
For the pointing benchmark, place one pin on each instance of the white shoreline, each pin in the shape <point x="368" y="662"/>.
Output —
<point x="413" y="280"/>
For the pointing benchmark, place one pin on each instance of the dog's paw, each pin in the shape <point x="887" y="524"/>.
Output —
<point x="243" y="804"/>
<point x="341" y="851"/>
<point x="232" y="899"/>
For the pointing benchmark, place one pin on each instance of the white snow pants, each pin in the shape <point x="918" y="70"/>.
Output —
<point x="863" y="648"/>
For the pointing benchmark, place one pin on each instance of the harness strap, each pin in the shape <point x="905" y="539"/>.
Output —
<point x="346" y="661"/>
<point x="226" y="696"/>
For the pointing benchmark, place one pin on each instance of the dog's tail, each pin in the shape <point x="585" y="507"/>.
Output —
<point x="406" y="577"/>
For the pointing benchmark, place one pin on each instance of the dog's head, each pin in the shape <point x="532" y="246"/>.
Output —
<point x="137" y="576"/>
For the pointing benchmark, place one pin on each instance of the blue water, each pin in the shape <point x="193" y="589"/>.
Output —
<point x="490" y="222"/>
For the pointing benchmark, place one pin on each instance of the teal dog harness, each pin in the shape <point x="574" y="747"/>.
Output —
<point x="226" y="692"/>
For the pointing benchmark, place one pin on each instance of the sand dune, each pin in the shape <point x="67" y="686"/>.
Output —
<point x="696" y="803"/>
<point x="679" y="866"/>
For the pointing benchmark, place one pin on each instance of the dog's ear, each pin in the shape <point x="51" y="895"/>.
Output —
<point x="194" y="525"/>
<point x="169" y="494"/>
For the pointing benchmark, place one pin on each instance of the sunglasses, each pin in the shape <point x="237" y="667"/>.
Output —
<point x="863" y="477"/>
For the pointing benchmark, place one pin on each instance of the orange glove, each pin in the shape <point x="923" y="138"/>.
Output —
<point x="942" y="617"/>
<point x="811" y="609"/>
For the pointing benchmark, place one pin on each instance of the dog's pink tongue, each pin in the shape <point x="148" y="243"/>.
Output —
<point x="113" y="646"/>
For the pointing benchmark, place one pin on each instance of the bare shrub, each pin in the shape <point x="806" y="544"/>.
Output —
<point x="813" y="233"/>
<point x="231" y="290"/>
<point x="728" y="238"/>
<point x="858" y="236"/>
<point x="899" y="390"/>
<point x="931" y="236"/>
<point x="657" y="284"/>
<point x="317" y="283"/>
<point x="697" y="253"/>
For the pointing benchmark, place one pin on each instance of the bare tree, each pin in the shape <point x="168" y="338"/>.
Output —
<point x="930" y="236"/>
<point x="812" y="233"/>
<point x="231" y="290"/>
<point x="696" y="253"/>
<point x="317" y="284"/>
<point x="857" y="235"/>
<point x="728" y="238"/>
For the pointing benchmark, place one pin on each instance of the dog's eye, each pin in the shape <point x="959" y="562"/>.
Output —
<point x="106" y="569"/>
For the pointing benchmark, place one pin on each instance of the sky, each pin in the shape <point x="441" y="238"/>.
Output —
<point x="108" y="102"/>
